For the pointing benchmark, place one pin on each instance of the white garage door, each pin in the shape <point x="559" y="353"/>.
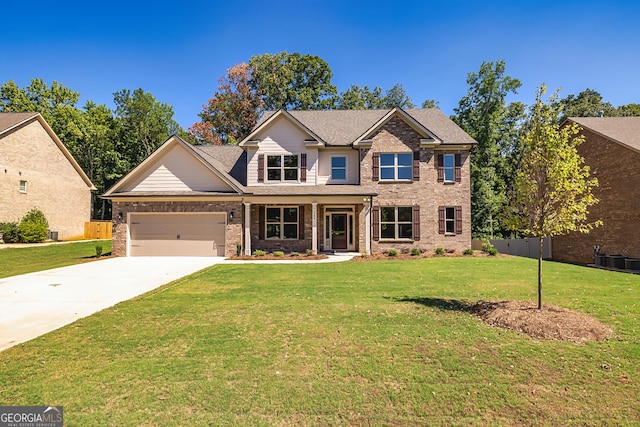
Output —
<point x="177" y="234"/>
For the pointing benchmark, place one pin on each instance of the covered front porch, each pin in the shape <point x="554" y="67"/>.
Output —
<point x="298" y="224"/>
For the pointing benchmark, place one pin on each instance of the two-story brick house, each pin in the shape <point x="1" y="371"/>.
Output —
<point x="357" y="180"/>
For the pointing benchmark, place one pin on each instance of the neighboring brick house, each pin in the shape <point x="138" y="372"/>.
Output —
<point x="357" y="180"/>
<point x="37" y="171"/>
<point x="612" y="151"/>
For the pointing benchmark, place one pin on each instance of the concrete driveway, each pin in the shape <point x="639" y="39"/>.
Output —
<point x="36" y="303"/>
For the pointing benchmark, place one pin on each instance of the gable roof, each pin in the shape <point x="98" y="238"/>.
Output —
<point x="345" y="127"/>
<point x="214" y="165"/>
<point x="623" y="130"/>
<point x="10" y="121"/>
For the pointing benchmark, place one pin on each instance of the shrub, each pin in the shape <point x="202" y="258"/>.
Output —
<point x="34" y="227"/>
<point x="295" y="254"/>
<point x="238" y="249"/>
<point x="278" y="253"/>
<point x="10" y="232"/>
<point x="468" y="252"/>
<point x="487" y="246"/>
<point x="415" y="251"/>
<point x="310" y="252"/>
<point x="439" y="251"/>
<point x="493" y="252"/>
<point x="392" y="252"/>
<point x="258" y="252"/>
<point x="98" y="251"/>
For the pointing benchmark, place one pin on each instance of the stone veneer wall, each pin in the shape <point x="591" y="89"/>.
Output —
<point x="233" y="234"/>
<point x="618" y="171"/>
<point x="395" y="137"/>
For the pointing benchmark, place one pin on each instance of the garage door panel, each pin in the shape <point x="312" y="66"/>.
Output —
<point x="178" y="234"/>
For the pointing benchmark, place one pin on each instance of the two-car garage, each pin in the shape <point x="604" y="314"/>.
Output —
<point x="177" y="234"/>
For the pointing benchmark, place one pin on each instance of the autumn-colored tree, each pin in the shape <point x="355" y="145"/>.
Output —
<point x="232" y="112"/>
<point x="552" y="191"/>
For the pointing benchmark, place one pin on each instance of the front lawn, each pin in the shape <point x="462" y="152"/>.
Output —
<point x="14" y="261"/>
<point x="356" y="343"/>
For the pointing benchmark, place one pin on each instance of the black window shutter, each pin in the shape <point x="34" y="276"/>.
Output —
<point x="260" y="167"/>
<point x="261" y="219"/>
<point x="376" y="223"/>
<point x="376" y="167"/>
<point x="416" y="165"/>
<point x="441" y="219"/>
<point x="458" y="219"/>
<point x="458" y="168"/>
<point x="301" y="222"/>
<point x="303" y="167"/>
<point x="440" y="168"/>
<point x="416" y="222"/>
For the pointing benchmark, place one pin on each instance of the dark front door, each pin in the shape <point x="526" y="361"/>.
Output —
<point x="339" y="232"/>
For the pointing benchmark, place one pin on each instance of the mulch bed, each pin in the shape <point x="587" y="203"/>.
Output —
<point x="427" y="254"/>
<point x="272" y="257"/>
<point x="550" y="322"/>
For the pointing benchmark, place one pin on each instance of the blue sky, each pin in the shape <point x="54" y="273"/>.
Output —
<point x="179" y="50"/>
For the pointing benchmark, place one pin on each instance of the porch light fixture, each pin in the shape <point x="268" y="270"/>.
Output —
<point x="119" y="216"/>
<point x="231" y="215"/>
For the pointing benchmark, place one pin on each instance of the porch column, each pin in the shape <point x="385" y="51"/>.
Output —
<point x="367" y="228"/>
<point x="247" y="228"/>
<point x="314" y="227"/>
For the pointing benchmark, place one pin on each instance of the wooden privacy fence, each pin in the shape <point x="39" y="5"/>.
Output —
<point x="97" y="230"/>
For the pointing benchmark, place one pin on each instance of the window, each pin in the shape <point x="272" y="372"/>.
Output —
<point x="339" y="168"/>
<point x="396" y="222"/>
<point x="23" y="186"/>
<point x="449" y="167"/>
<point x="396" y="167"/>
<point x="282" y="167"/>
<point x="450" y="219"/>
<point x="282" y="223"/>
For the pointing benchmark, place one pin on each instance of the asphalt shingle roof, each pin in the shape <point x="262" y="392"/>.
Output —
<point x="9" y="120"/>
<point x="342" y="127"/>
<point x="624" y="130"/>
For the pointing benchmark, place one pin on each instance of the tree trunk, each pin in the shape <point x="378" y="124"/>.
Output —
<point x="540" y="274"/>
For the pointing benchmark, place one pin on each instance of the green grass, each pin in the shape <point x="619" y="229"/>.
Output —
<point x="358" y="343"/>
<point x="15" y="261"/>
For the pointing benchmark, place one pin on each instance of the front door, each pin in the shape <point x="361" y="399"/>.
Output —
<point x="339" y="232"/>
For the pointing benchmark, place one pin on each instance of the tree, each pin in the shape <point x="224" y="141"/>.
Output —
<point x="232" y="112"/>
<point x="360" y="98"/>
<point x="628" y="110"/>
<point x="484" y="115"/>
<point x="292" y="81"/>
<point x="397" y="97"/>
<point x="431" y="103"/>
<point x="552" y="191"/>
<point x="587" y="103"/>
<point x="143" y="124"/>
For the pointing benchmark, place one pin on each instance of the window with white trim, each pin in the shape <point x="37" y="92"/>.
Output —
<point x="282" y="223"/>
<point x="396" y="166"/>
<point x="396" y="222"/>
<point x="338" y="168"/>
<point x="449" y="220"/>
<point x="282" y="167"/>
<point x="23" y="186"/>
<point x="449" y="167"/>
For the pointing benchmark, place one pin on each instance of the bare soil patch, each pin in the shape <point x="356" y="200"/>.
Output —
<point x="551" y="322"/>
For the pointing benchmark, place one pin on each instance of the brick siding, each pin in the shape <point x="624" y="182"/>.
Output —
<point x="616" y="168"/>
